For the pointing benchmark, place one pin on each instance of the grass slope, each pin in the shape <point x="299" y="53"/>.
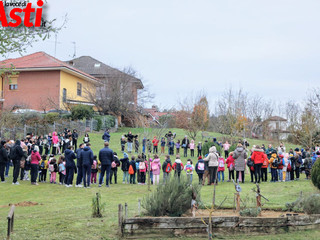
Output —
<point x="66" y="212"/>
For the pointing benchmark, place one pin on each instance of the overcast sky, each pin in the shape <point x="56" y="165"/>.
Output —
<point x="267" y="47"/>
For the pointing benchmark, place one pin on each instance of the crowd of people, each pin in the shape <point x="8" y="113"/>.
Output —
<point x="58" y="155"/>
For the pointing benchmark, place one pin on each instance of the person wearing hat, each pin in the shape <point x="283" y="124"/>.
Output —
<point x="125" y="168"/>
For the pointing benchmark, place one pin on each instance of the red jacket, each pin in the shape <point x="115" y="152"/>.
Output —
<point x="265" y="161"/>
<point x="155" y="142"/>
<point x="257" y="157"/>
<point x="230" y="160"/>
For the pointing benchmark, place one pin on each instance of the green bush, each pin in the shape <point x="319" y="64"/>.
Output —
<point x="171" y="199"/>
<point x="51" y="117"/>
<point x="99" y="123"/>
<point x="97" y="206"/>
<point x="315" y="174"/>
<point x="80" y="112"/>
<point x="250" y="212"/>
<point x="311" y="205"/>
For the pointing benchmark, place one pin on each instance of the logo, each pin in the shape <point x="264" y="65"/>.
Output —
<point x="15" y="13"/>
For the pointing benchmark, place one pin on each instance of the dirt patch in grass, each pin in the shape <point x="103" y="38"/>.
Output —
<point x="22" y="204"/>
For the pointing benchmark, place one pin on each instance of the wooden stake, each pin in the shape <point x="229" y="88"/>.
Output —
<point x="238" y="202"/>
<point x="139" y="207"/>
<point x="120" y="219"/>
<point x="125" y="210"/>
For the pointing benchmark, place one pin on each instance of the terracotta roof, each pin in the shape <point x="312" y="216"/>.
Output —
<point x="276" y="118"/>
<point x="41" y="60"/>
<point x="101" y="70"/>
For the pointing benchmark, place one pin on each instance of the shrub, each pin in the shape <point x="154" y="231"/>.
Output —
<point x="311" y="205"/>
<point x="80" y="112"/>
<point x="315" y="174"/>
<point x="172" y="199"/>
<point x="51" y="117"/>
<point x="97" y="206"/>
<point x="250" y="212"/>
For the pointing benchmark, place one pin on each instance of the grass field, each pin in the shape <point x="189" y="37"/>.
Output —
<point x="65" y="213"/>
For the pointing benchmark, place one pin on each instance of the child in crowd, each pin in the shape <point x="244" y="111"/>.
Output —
<point x="43" y="168"/>
<point x="155" y="142"/>
<point x="192" y="146"/>
<point x="273" y="164"/>
<point x="200" y="169"/>
<point x="177" y="166"/>
<point x="221" y="163"/>
<point x="178" y="147"/>
<point x="163" y="144"/>
<point x="171" y="147"/>
<point x="62" y="169"/>
<point x="53" y="169"/>
<point x="280" y="167"/>
<point x="86" y="138"/>
<point x="230" y="165"/>
<point x="151" y="173"/>
<point x="123" y="143"/>
<point x="114" y="168"/>
<point x="156" y="166"/>
<point x="94" y="170"/>
<point x="139" y="159"/>
<point x="125" y="168"/>
<point x="166" y="168"/>
<point x="188" y="168"/>
<point x="132" y="170"/>
<point x="285" y="165"/>
<point x="199" y="147"/>
<point x="149" y="145"/>
<point x="143" y="166"/>
<point x="264" y="168"/>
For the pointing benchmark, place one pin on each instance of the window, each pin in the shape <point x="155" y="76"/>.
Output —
<point x="64" y="95"/>
<point x="13" y="86"/>
<point x="79" y="89"/>
<point x="97" y="65"/>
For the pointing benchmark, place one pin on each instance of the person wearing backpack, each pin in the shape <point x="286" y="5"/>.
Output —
<point x="125" y="168"/>
<point x="132" y="170"/>
<point x="297" y="162"/>
<point x="200" y="167"/>
<point x="177" y="166"/>
<point x="62" y="169"/>
<point x="274" y="162"/>
<point x="264" y="168"/>
<point x="94" y="170"/>
<point x="53" y="168"/>
<point x="114" y="168"/>
<point x="212" y="160"/>
<point x="221" y="168"/>
<point x="43" y="168"/>
<point x="166" y="169"/>
<point x="156" y="166"/>
<point x="143" y="167"/>
<point x="188" y="168"/>
<point x="230" y="166"/>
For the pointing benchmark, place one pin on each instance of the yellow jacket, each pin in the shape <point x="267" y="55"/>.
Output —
<point x="273" y="157"/>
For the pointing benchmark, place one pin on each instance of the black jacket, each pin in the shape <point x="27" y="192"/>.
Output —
<point x="116" y="160"/>
<point x="124" y="164"/>
<point x="70" y="156"/>
<point x="3" y="155"/>
<point x="165" y="163"/>
<point x="133" y="164"/>
<point x="86" y="156"/>
<point x="106" y="136"/>
<point x="18" y="152"/>
<point x="79" y="161"/>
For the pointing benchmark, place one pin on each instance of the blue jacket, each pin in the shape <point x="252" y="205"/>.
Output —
<point x="86" y="156"/>
<point x="106" y="156"/>
<point x="106" y="136"/>
<point x="70" y="156"/>
<point x="79" y="162"/>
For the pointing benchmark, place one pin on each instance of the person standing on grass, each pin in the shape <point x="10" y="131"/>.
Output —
<point x="240" y="156"/>
<point x="125" y="168"/>
<point x="230" y="166"/>
<point x="206" y="174"/>
<point x="156" y="166"/>
<point x="155" y="142"/>
<point x="106" y="158"/>
<point x="35" y="159"/>
<point x="114" y="168"/>
<point x="178" y="147"/>
<point x="3" y="160"/>
<point x="86" y="157"/>
<point x="70" y="165"/>
<point x="199" y="147"/>
<point x="185" y="145"/>
<point x="75" y="137"/>
<point x="257" y="157"/>
<point x="226" y="147"/>
<point x="264" y="168"/>
<point x="16" y="153"/>
<point x="106" y="136"/>
<point x="192" y="146"/>
<point x="200" y="167"/>
<point x="212" y="160"/>
<point x="130" y="138"/>
<point x="79" y="165"/>
<point x="166" y="168"/>
<point x="163" y="144"/>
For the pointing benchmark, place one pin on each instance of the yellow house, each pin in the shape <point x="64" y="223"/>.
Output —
<point x="45" y="83"/>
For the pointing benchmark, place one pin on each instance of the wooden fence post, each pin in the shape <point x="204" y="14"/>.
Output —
<point x="125" y="211"/>
<point x="120" y="219"/>
<point x="139" y="207"/>
<point x="10" y="221"/>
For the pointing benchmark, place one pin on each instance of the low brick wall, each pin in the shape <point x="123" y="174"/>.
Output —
<point x="187" y="226"/>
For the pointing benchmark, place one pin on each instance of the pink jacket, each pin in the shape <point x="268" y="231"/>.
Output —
<point x="35" y="158"/>
<point x="55" y="138"/>
<point x="155" y="170"/>
<point x="221" y="163"/>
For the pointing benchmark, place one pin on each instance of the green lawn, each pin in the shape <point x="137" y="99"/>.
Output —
<point x="65" y="213"/>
